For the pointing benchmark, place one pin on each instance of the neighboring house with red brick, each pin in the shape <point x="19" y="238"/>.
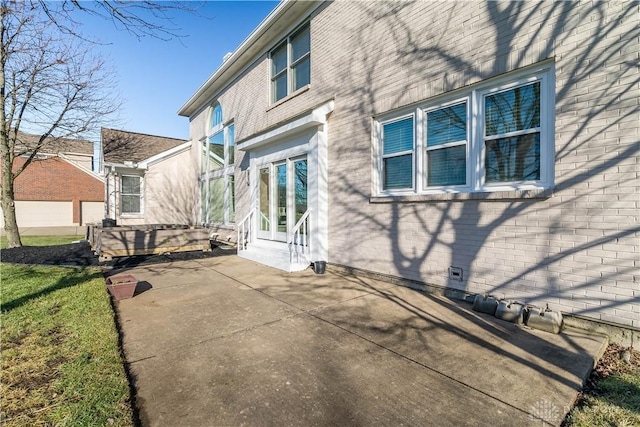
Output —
<point x="149" y="179"/>
<point x="58" y="188"/>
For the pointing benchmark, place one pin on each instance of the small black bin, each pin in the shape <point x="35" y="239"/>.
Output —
<point x="319" y="267"/>
<point x="108" y="222"/>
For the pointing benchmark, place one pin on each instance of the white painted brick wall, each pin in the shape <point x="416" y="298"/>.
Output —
<point x="579" y="250"/>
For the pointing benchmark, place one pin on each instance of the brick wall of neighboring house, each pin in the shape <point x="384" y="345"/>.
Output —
<point x="574" y="248"/>
<point x="54" y="179"/>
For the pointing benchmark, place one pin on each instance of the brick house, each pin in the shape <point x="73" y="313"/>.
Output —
<point x="465" y="147"/>
<point x="58" y="189"/>
<point x="149" y="179"/>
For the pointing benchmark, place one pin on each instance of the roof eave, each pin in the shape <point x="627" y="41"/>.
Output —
<point x="243" y="54"/>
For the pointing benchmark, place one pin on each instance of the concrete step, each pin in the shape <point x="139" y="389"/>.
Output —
<point x="273" y="254"/>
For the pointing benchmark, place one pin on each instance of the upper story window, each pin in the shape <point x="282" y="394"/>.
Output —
<point x="218" y="149"/>
<point x="291" y="64"/>
<point x="216" y="116"/>
<point x="494" y="136"/>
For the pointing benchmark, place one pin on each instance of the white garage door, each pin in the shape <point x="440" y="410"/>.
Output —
<point x="44" y="214"/>
<point x="92" y="212"/>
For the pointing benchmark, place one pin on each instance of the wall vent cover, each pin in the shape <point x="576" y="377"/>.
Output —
<point x="455" y="273"/>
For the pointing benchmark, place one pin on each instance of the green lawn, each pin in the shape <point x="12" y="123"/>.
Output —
<point x="61" y="363"/>
<point x="615" y="402"/>
<point x="42" y="240"/>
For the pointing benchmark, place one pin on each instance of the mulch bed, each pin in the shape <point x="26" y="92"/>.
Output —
<point x="81" y="255"/>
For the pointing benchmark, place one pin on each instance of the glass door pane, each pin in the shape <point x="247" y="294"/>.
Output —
<point x="281" y="201"/>
<point x="300" y="187"/>
<point x="264" y="197"/>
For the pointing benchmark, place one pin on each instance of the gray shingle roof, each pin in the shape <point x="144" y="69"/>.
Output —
<point x="119" y="146"/>
<point x="55" y="145"/>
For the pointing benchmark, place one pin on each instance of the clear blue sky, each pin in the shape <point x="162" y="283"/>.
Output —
<point x="155" y="78"/>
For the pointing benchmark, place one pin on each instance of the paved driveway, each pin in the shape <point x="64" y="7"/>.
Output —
<point x="227" y="342"/>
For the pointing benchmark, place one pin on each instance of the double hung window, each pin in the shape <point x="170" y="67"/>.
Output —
<point x="291" y="64"/>
<point x="397" y="154"/>
<point x="512" y="134"/>
<point x="493" y="136"/>
<point x="446" y="145"/>
<point x="130" y="195"/>
<point x="217" y="170"/>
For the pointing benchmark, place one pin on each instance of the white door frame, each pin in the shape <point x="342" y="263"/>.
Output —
<point x="304" y="136"/>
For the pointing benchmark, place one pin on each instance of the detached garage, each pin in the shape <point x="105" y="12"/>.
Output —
<point x="57" y="191"/>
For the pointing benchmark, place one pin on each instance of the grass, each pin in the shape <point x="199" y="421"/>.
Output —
<point x="613" y="399"/>
<point x="43" y="240"/>
<point x="61" y="363"/>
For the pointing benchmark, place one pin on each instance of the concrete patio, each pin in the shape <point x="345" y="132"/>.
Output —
<point x="227" y="342"/>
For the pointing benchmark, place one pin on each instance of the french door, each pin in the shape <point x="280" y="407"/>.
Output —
<point x="282" y="197"/>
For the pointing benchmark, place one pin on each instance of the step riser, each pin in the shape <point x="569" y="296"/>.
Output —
<point x="275" y="256"/>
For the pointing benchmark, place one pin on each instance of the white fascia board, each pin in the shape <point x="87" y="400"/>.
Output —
<point x="316" y="117"/>
<point x="255" y="43"/>
<point x="165" y="155"/>
<point x="121" y="166"/>
<point x="82" y="168"/>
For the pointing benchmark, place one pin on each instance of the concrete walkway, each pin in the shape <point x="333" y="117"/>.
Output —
<point x="227" y="342"/>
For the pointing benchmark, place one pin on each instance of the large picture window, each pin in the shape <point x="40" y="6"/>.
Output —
<point x="217" y="170"/>
<point x="493" y="136"/>
<point x="291" y="64"/>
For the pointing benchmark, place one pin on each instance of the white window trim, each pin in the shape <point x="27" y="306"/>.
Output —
<point x="141" y="195"/>
<point x="474" y="96"/>
<point x="382" y="156"/>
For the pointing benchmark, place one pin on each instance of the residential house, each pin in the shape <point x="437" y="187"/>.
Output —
<point x="149" y="179"/>
<point x="471" y="147"/>
<point x="58" y="191"/>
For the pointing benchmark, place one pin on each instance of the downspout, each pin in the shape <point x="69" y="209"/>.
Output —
<point x="107" y="180"/>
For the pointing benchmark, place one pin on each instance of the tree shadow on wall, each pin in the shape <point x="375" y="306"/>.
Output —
<point x="587" y="219"/>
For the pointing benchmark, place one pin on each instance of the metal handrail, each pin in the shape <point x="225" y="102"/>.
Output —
<point x="299" y="242"/>
<point x="245" y="230"/>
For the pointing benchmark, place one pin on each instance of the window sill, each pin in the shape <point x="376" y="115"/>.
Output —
<point x="292" y="95"/>
<point x="489" y="196"/>
<point x="132" y="215"/>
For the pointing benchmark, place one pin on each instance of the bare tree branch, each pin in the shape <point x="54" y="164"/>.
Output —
<point x="51" y="86"/>
<point x="139" y="18"/>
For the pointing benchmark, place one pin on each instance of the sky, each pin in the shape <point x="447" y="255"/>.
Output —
<point x="155" y="77"/>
